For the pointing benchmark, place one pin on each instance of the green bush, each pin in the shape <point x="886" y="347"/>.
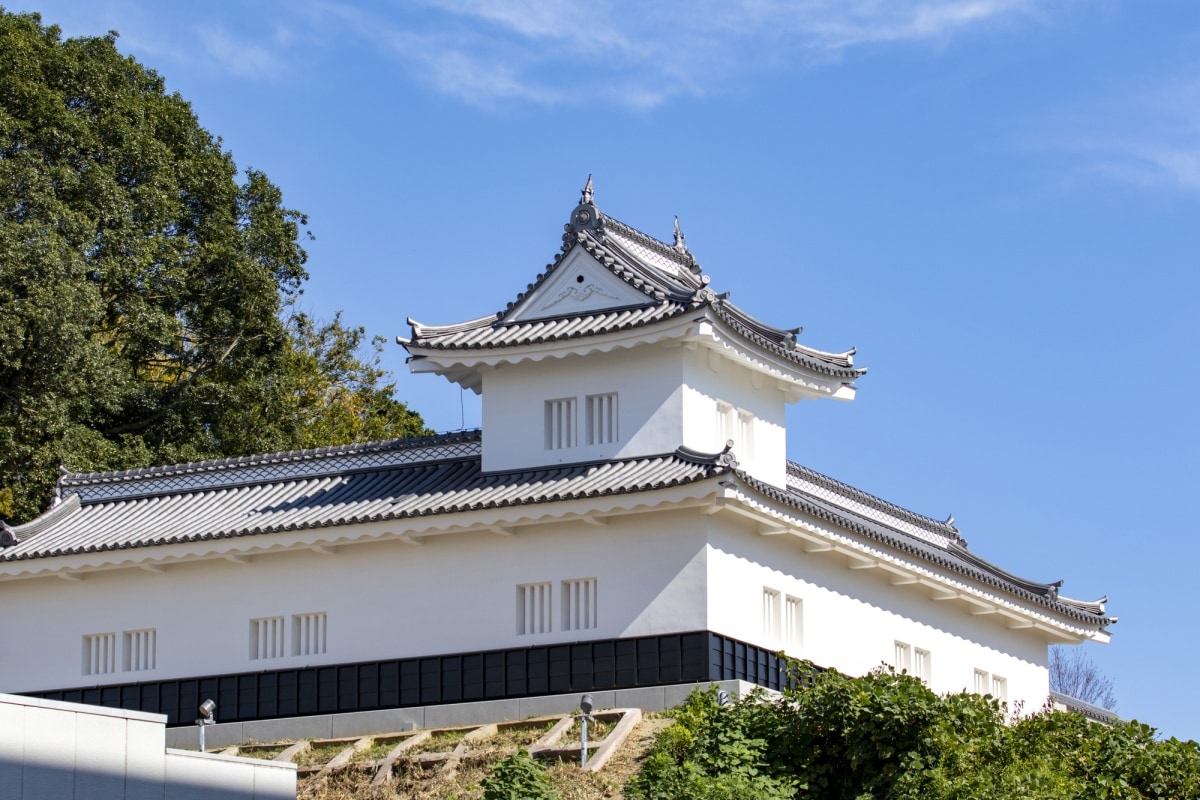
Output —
<point x="518" y="777"/>
<point x="886" y="735"/>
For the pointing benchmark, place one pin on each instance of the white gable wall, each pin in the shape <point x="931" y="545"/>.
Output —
<point x="579" y="285"/>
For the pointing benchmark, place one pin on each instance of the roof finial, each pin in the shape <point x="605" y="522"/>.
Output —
<point x="680" y="241"/>
<point x="586" y="199"/>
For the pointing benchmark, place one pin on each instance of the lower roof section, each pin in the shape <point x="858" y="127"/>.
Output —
<point x="105" y="518"/>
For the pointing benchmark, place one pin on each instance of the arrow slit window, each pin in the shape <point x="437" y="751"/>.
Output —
<point x="533" y="608"/>
<point x="140" y="650"/>
<point x="793" y="621"/>
<point x="308" y="634"/>
<point x="601" y="418"/>
<point x="266" y="638"/>
<point x="770" y="613"/>
<point x="579" y="604"/>
<point x="99" y="653"/>
<point x="560" y="424"/>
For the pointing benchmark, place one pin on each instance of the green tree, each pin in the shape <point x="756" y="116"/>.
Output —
<point x="143" y="284"/>
<point x="885" y="735"/>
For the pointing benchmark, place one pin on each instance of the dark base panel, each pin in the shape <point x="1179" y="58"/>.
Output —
<point x="441" y="679"/>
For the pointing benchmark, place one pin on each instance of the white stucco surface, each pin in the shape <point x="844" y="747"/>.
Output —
<point x="852" y="618"/>
<point x="454" y="593"/>
<point x="656" y="572"/>
<point x="59" y="751"/>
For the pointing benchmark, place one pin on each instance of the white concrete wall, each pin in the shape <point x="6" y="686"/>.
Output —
<point x="711" y="380"/>
<point x="383" y="600"/>
<point x="59" y="751"/>
<point x="656" y="573"/>
<point x="852" y="618"/>
<point x="667" y="396"/>
<point x="647" y="381"/>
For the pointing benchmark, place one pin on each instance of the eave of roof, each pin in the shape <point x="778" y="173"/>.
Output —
<point x="952" y="556"/>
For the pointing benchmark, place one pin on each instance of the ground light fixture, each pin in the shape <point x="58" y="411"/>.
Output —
<point x="207" y="712"/>
<point x="585" y="706"/>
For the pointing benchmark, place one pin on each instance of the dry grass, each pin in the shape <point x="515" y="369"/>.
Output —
<point x="416" y="782"/>
<point x="263" y="751"/>
<point x="379" y="748"/>
<point x="510" y="737"/>
<point x="598" y="731"/>
<point x="319" y="753"/>
<point x="440" y="742"/>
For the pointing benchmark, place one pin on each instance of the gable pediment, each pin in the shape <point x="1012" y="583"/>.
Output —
<point x="579" y="286"/>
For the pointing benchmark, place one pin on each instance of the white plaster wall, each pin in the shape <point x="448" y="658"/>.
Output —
<point x="852" y="618"/>
<point x="647" y="381"/>
<point x="59" y="750"/>
<point x="383" y="600"/>
<point x="656" y="573"/>
<point x="667" y="397"/>
<point x="710" y="380"/>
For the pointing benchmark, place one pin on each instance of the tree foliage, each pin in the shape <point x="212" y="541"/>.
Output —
<point x="144" y="284"/>
<point x="1074" y="673"/>
<point x="886" y="735"/>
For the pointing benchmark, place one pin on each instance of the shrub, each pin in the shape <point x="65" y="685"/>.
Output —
<point x="518" y="777"/>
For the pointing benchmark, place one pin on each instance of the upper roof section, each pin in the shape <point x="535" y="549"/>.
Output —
<point x="609" y="278"/>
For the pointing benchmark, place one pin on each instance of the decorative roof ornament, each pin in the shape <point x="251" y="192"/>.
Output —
<point x="585" y="217"/>
<point x="680" y="245"/>
<point x="56" y="497"/>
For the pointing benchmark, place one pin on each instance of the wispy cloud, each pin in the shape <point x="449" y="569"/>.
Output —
<point x="640" y="54"/>
<point x="628" y="53"/>
<point x="244" y="57"/>
<point x="1148" y="137"/>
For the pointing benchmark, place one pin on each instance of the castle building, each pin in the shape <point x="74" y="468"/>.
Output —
<point x="626" y="517"/>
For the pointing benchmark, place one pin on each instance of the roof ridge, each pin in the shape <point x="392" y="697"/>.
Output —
<point x="15" y="534"/>
<point x="82" y="479"/>
<point x="479" y="322"/>
<point x="878" y="503"/>
<point x="684" y="259"/>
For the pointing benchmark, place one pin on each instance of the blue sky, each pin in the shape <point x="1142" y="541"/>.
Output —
<point x="996" y="201"/>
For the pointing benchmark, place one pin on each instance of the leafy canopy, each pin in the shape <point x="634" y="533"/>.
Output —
<point x="145" y="287"/>
<point x="886" y="735"/>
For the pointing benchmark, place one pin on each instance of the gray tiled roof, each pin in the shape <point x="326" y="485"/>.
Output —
<point x="437" y="475"/>
<point x="1089" y="710"/>
<point x="667" y="276"/>
<point x="320" y="488"/>
<point x="809" y="482"/>
<point x="951" y="554"/>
